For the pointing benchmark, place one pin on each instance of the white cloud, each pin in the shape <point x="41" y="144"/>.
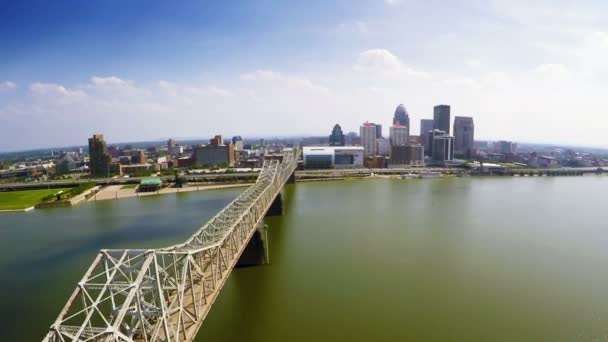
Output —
<point x="601" y="38"/>
<point x="461" y="82"/>
<point x="392" y="2"/>
<point x="7" y="85"/>
<point x="553" y="70"/>
<point x="283" y="80"/>
<point x="382" y="62"/>
<point x="56" y="91"/>
<point x="109" y="81"/>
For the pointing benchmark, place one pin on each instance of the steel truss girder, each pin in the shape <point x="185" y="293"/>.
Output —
<point x="165" y="294"/>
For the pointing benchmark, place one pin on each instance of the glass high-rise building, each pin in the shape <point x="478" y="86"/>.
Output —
<point x="441" y="118"/>
<point x="100" y="159"/>
<point x="402" y="118"/>
<point x="464" y="136"/>
<point x="399" y="135"/>
<point x="426" y="125"/>
<point x="368" y="133"/>
<point x="336" y="138"/>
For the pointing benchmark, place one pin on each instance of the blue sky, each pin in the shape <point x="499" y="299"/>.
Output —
<point x="136" y="70"/>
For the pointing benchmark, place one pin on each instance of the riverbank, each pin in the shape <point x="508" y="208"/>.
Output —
<point x="113" y="192"/>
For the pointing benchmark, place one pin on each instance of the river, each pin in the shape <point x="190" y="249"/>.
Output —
<point x="463" y="259"/>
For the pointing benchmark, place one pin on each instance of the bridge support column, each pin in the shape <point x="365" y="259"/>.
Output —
<point x="256" y="252"/>
<point x="276" y="208"/>
<point x="292" y="178"/>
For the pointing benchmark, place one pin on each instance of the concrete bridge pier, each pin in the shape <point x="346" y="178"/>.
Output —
<point x="291" y="179"/>
<point x="276" y="208"/>
<point x="256" y="252"/>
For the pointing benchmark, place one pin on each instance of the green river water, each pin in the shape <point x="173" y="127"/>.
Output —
<point x="463" y="259"/>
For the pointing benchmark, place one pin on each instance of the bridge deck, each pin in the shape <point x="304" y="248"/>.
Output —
<point x="165" y="294"/>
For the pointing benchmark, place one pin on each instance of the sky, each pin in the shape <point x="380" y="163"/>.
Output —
<point x="526" y="70"/>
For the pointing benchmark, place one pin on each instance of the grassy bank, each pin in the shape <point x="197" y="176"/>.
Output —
<point x="15" y="200"/>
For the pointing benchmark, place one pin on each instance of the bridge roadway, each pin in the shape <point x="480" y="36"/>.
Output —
<point x="165" y="294"/>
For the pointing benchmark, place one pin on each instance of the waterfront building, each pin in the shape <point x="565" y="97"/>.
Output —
<point x="414" y="140"/>
<point x="216" y="141"/>
<point x="238" y="142"/>
<point x="426" y="125"/>
<point x="352" y="138"/>
<point x="505" y="147"/>
<point x="99" y="158"/>
<point x="441" y="118"/>
<point x="66" y="164"/>
<point x="406" y="155"/>
<point x="464" y="136"/>
<point x="368" y="134"/>
<point x="133" y="168"/>
<point x="176" y="150"/>
<point x="398" y="135"/>
<point x="337" y="137"/>
<point x="150" y="185"/>
<point x="212" y="155"/>
<point x="339" y="157"/>
<point x="383" y="146"/>
<point x="375" y="162"/>
<point x="138" y="157"/>
<point x="442" y="146"/>
<point x="401" y="117"/>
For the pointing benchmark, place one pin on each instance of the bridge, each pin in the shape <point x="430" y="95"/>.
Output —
<point x="165" y="294"/>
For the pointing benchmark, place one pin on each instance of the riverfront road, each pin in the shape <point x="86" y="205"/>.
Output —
<point x="250" y="176"/>
<point x="165" y="294"/>
<point x="211" y="177"/>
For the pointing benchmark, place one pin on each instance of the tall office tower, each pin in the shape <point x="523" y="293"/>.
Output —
<point x="464" y="136"/>
<point x="138" y="157"/>
<point x="407" y="155"/>
<point x="398" y="135"/>
<point x="384" y="147"/>
<point x="216" y="141"/>
<point x="100" y="159"/>
<point x="442" y="146"/>
<point x="237" y="141"/>
<point x="402" y="117"/>
<point x="441" y="118"/>
<point x="171" y="143"/>
<point x="337" y="137"/>
<point x="368" y="134"/>
<point x="426" y="125"/>
<point x="378" y="131"/>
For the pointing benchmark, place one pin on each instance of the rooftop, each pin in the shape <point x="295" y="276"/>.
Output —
<point x="150" y="181"/>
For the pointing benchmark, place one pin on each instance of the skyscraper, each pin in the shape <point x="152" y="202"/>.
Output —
<point x="402" y="117"/>
<point x="442" y="146"/>
<point x="398" y="135"/>
<point x="378" y="131"/>
<point x="441" y="118"/>
<point x="337" y="137"/>
<point x="464" y="136"/>
<point x="218" y="140"/>
<point x="368" y="131"/>
<point x="237" y="141"/>
<point x="100" y="159"/>
<point x="426" y="125"/>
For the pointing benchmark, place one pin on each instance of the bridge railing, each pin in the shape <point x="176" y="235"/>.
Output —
<point x="165" y="294"/>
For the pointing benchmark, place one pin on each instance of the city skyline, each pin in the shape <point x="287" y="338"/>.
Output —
<point x="538" y="79"/>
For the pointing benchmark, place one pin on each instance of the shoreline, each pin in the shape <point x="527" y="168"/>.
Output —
<point x="116" y="192"/>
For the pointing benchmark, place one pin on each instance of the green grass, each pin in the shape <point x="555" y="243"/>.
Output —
<point x="130" y="186"/>
<point x="13" y="200"/>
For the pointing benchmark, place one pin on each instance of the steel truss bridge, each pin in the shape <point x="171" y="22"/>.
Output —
<point x="165" y="294"/>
